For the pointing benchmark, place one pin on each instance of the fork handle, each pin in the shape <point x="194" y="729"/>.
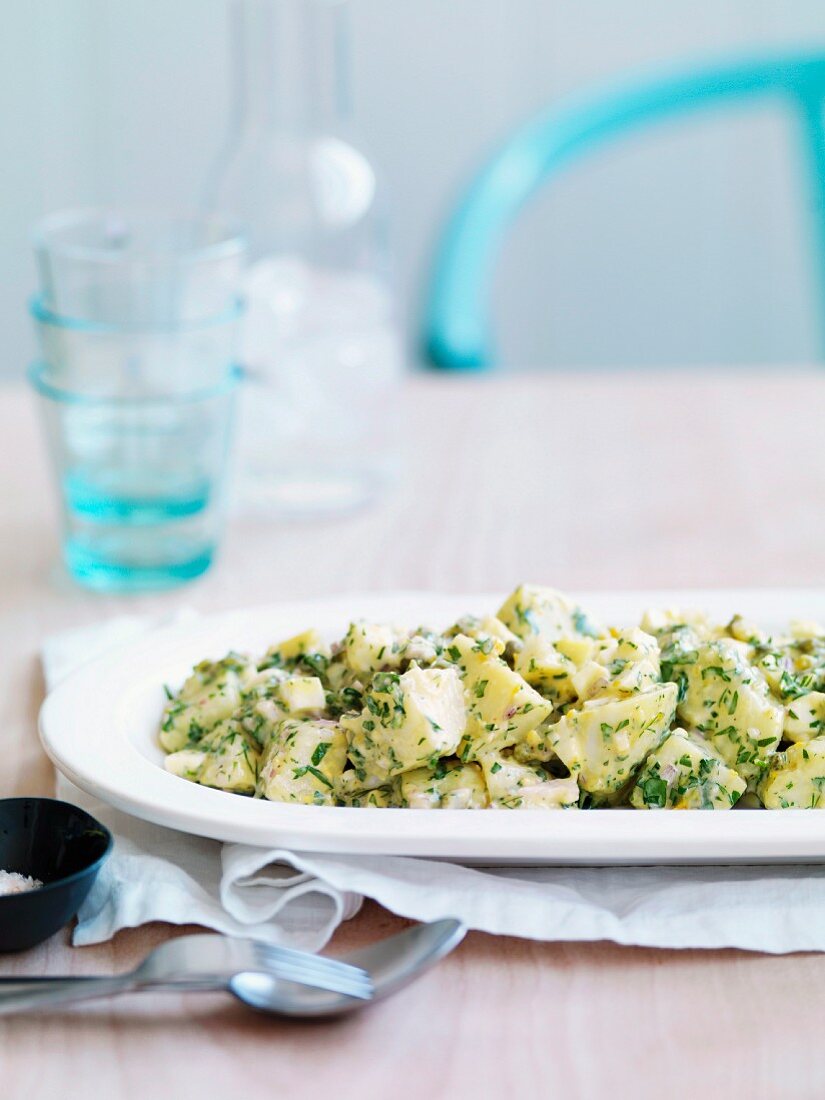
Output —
<point x="46" y="993"/>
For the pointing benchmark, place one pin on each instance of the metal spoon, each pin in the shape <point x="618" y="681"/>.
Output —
<point x="392" y="963"/>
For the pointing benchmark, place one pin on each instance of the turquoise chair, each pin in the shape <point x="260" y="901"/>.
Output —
<point x="457" y="326"/>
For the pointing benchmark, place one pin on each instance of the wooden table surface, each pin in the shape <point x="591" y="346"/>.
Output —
<point x="592" y="482"/>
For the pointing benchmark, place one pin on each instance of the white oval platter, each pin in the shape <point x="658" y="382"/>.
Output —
<point x="100" y="729"/>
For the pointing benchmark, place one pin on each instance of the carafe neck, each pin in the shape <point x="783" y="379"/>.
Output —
<point x="290" y="65"/>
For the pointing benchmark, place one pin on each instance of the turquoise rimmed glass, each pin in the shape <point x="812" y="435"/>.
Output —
<point x="104" y="359"/>
<point x="137" y="269"/>
<point x="137" y="319"/>
<point x="141" y="476"/>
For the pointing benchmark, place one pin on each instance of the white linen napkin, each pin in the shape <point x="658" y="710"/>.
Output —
<point x="299" y="899"/>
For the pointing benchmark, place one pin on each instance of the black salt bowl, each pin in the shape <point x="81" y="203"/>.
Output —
<point x="59" y="844"/>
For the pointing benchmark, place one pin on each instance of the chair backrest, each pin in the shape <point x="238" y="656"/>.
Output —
<point x="457" y="327"/>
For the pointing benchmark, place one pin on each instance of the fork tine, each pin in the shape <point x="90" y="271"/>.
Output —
<point x="332" y="984"/>
<point x="273" y="953"/>
<point x="317" y="970"/>
<point x="318" y="978"/>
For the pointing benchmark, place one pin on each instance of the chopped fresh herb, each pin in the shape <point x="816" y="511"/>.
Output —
<point x="654" y="791"/>
<point x="716" y="670"/>
<point x="319" y="775"/>
<point x="320" y="751"/>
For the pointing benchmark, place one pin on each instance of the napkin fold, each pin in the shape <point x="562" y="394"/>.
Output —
<point x="299" y="899"/>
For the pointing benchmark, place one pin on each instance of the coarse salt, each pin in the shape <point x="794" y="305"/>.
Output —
<point x="13" y="883"/>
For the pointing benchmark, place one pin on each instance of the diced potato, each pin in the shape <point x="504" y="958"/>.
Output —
<point x="353" y="786"/>
<point x="604" y="741"/>
<point x="345" y="691"/>
<point x="578" y="650"/>
<point x="276" y="698"/>
<point x="728" y="701"/>
<point x="659" y="621"/>
<point x="262" y="681"/>
<point x="362" y="776"/>
<point x="501" y="707"/>
<point x="804" y="630"/>
<point x="211" y="694"/>
<point x="369" y="647"/>
<point x="808" y="659"/>
<point x="805" y="717"/>
<point x="259" y="716"/>
<point x="678" y="646"/>
<point x="632" y="662"/>
<point x="590" y="680"/>
<point x="743" y="630"/>
<point x="684" y="773"/>
<point x="489" y="627"/>
<point x="547" y="670"/>
<point x="301" y="695"/>
<point x="304" y="761"/>
<point x="515" y="786"/>
<point x="287" y="654"/>
<point x="795" y="779"/>
<point x="408" y="721"/>
<point x="534" y="747"/>
<point x="532" y="609"/>
<point x="793" y="668"/>
<point x="774" y="666"/>
<point x="226" y="758"/>
<point x="186" y="763"/>
<point x="381" y="798"/>
<point x="231" y="770"/>
<point x="423" y="647"/>
<point x="448" y="786"/>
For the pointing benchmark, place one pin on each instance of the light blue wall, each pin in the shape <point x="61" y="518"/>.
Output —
<point x="683" y="247"/>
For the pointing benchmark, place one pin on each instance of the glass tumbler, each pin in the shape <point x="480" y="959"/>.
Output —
<point x="135" y="269"/>
<point x="101" y="358"/>
<point x="137" y="319"/>
<point x="140" y="479"/>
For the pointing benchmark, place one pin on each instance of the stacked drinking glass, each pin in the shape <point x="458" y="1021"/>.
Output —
<point x="137" y="318"/>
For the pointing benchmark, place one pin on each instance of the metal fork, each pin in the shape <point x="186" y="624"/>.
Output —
<point x="192" y="962"/>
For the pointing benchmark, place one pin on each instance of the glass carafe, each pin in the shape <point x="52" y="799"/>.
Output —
<point x="320" y="344"/>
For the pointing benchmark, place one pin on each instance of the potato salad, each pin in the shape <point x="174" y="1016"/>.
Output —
<point x="537" y="706"/>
